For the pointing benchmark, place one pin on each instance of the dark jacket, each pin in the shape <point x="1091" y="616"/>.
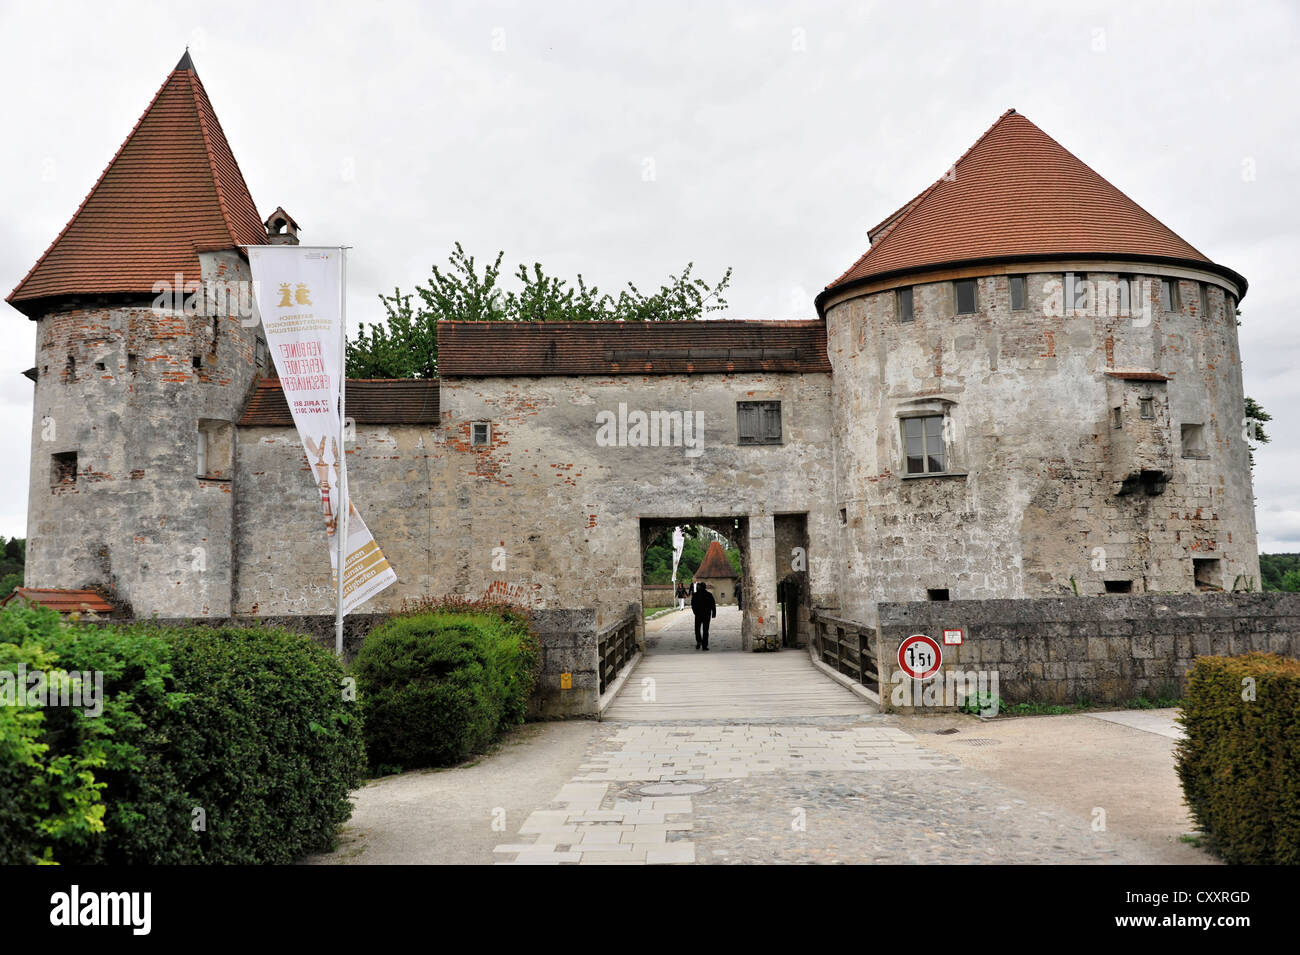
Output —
<point x="703" y="604"/>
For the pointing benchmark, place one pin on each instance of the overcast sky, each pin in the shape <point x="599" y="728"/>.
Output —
<point x="623" y="140"/>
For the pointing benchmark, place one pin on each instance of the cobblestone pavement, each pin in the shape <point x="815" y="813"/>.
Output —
<point x="829" y="790"/>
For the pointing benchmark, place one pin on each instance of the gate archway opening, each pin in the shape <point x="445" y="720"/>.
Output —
<point x="731" y="629"/>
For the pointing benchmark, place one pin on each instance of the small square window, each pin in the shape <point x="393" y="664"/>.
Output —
<point x="216" y="449"/>
<point x="936" y="593"/>
<point x="905" y="313"/>
<point x="964" y="290"/>
<point x="63" y="469"/>
<point x="130" y="364"/>
<point x="1169" y="295"/>
<point x="758" y="422"/>
<point x="923" y="445"/>
<point x="1017" y="292"/>
<point x="844" y="515"/>
<point x="1117" y="417"/>
<point x="197" y="361"/>
<point x="1194" y="441"/>
<point x="480" y="434"/>
<point x="1205" y="573"/>
<point x="1119" y="586"/>
<point x="1148" y="406"/>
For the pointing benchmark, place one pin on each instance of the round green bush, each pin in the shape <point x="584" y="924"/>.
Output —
<point x="214" y="746"/>
<point x="437" y="687"/>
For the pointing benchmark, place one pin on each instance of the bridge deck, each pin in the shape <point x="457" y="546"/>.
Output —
<point x="725" y="683"/>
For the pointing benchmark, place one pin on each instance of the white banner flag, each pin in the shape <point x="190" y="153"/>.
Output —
<point x="298" y="294"/>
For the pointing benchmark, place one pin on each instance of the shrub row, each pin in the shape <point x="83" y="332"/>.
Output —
<point x="1240" y="761"/>
<point x="441" y="681"/>
<point x="213" y="746"/>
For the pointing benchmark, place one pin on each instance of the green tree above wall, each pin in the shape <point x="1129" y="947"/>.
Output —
<point x="405" y="344"/>
<point x="13" y="557"/>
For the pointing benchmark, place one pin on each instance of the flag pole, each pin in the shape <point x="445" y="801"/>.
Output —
<point x="345" y="505"/>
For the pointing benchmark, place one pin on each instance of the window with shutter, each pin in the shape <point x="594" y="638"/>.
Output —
<point x="758" y="422"/>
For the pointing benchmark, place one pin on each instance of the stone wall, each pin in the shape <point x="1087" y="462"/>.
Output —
<point x="546" y="513"/>
<point x="1104" y="649"/>
<point x="124" y="386"/>
<point x="567" y="638"/>
<point x="1034" y="501"/>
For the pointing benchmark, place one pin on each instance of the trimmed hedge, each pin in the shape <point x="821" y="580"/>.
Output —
<point x="214" y="745"/>
<point x="439" y="685"/>
<point x="1240" y="761"/>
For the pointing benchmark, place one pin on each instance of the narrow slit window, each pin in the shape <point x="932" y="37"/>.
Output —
<point x="905" y="313"/>
<point x="967" y="299"/>
<point x="1077" y="292"/>
<point x="1119" y="586"/>
<point x="1017" y="293"/>
<point x="1169" y="295"/>
<point x="1117" y="417"/>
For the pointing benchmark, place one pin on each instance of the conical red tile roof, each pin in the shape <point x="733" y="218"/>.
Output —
<point x="715" y="564"/>
<point x="1017" y="193"/>
<point x="173" y="190"/>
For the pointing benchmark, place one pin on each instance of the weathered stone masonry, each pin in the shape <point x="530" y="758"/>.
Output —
<point x="950" y="427"/>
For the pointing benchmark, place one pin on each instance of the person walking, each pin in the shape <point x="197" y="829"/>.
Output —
<point x="705" y="608"/>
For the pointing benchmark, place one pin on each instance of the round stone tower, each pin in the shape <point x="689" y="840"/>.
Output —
<point x="145" y="353"/>
<point x="1037" y="392"/>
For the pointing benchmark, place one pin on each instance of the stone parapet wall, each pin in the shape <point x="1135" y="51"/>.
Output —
<point x="1103" y="649"/>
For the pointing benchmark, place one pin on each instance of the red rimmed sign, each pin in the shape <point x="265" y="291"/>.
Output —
<point x="920" y="656"/>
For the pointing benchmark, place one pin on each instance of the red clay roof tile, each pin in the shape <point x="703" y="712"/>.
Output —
<point x="369" y="401"/>
<point x="64" y="601"/>
<point x="1015" y="193"/>
<point x="172" y="190"/>
<point x="485" y="349"/>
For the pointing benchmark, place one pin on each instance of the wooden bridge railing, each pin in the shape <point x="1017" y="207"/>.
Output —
<point x="848" y="648"/>
<point x="616" y="646"/>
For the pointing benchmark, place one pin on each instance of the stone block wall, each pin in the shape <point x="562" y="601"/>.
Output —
<point x="568" y="639"/>
<point x="1104" y="649"/>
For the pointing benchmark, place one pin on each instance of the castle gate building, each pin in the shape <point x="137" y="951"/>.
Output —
<point x="1026" y="386"/>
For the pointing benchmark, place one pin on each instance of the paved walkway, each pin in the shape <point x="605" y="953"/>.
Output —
<point x="731" y="757"/>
